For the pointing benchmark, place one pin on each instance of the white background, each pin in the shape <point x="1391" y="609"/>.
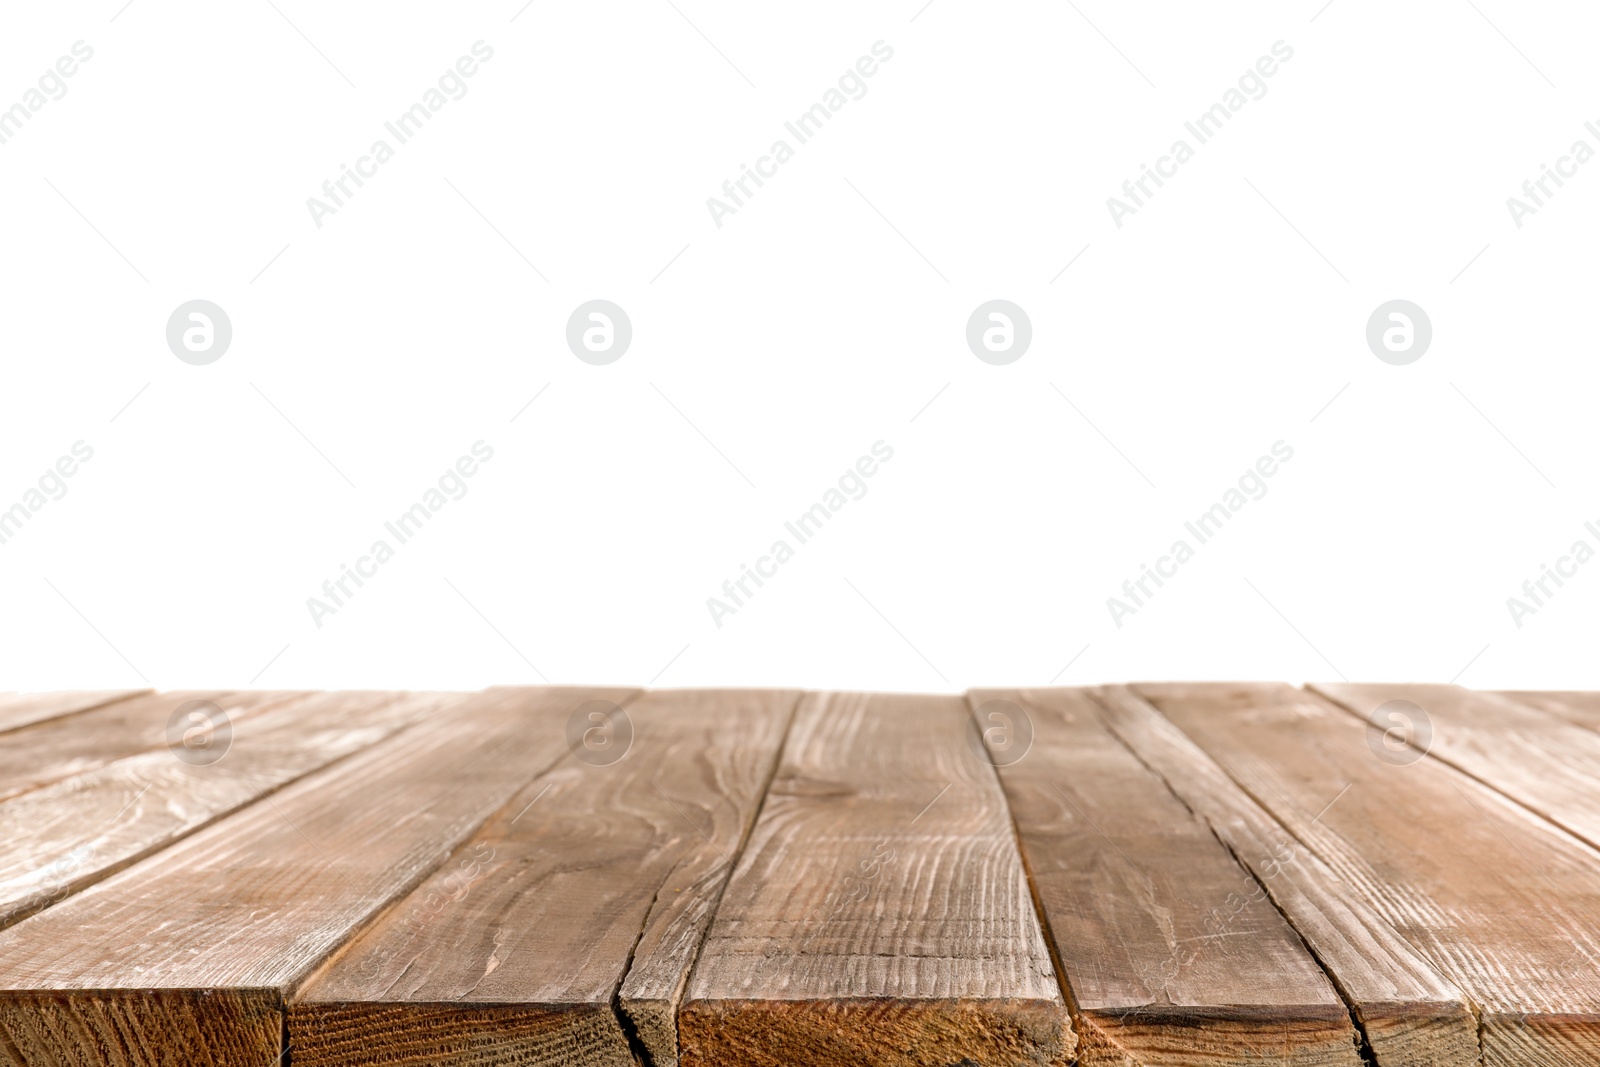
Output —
<point x="827" y="314"/>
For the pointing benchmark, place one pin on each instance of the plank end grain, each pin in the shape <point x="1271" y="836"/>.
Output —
<point x="461" y="1035"/>
<point x="1147" y="1035"/>
<point x="655" y="1025"/>
<point x="1556" y="1039"/>
<point x="142" y="1028"/>
<point x="1411" y="1033"/>
<point x="850" y="1032"/>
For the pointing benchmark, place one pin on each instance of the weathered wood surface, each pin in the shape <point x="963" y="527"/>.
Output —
<point x="186" y="956"/>
<point x="67" y="835"/>
<point x="516" y="950"/>
<point x="880" y="914"/>
<point x="1145" y="876"/>
<point x="22" y="709"/>
<point x="1173" y="951"/>
<point x="1502" y="902"/>
<point x="60" y="747"/>
<point x="1532" y="756"/>
<point x="1409" y="1013"/>
<point x="1576" y="707"/>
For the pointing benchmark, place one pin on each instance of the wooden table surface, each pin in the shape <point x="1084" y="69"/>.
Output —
<point x="1202" y="874"/>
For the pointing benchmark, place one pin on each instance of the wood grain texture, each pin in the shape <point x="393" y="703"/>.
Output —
<point x="72" y="833"/>
<point x="879" y="914"/>
<point x="1538" y="759"/>
<point x="1576" y="707"/>
<point x="57" y="748"/>
<point x="1410" y="1014"/>
<point x="670" y="938"/>
<point x="1173" y="953"/>
<point x="1501" y="902"/>
<point x="23" y="709"/>
<point x="569" y="922"/>
<point x="185" y="957"/>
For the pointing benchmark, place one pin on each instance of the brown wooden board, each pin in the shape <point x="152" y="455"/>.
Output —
<point x="1581" y="708"/>
<point x="23" y="709"/>
<point x="185" y="957"/>
<point x="1504" y="904"/>
<point x="879" y="914"/>
<point x="1173" y="952"/>
<point x="57" y="748"/>
<point x="567" y="925"/>
<point x="1531" y="756"/>
<point x="1409" y="1013"/>
<point x="69" y="834"/>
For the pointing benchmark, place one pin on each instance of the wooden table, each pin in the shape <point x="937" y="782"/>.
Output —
<point x="1196" y="874"/>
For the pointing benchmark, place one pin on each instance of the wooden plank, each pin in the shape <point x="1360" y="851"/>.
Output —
<point x="23" y="709"/>
<point x="1172" y="951"/>
<point x="1504" y="904"/>
<point x="669" y="943"/>
<point x="1575" y="707"/>
<point x="57" y="748"/>
<point x="1538" y="759"/>
<point x="185" y="958"/>
<point x="515" y="951"/>
<point x="879" y="914"/>
<point x="72" y="833"/>
<point x="1409" y="1013"/>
